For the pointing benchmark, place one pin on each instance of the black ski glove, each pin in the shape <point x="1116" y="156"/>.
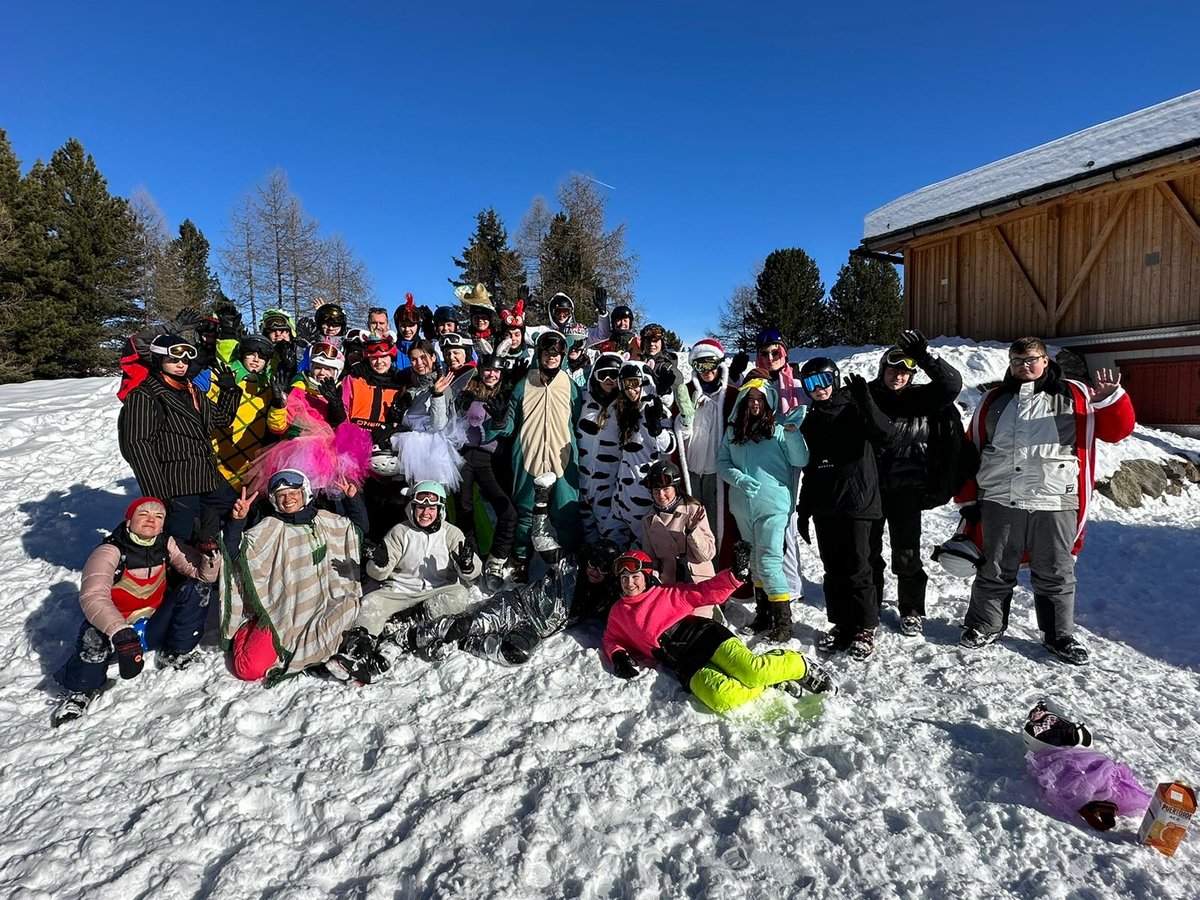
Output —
<point x="740" y="567"/>
<point x="857" y="386"/>
<point x="286" y="353"/>
<point x="737" y="366"/>
<point x="600" y="301"/>
<point x="666" y="376"/>
<point x="654" y="417"/>
<point x="129" y="653"/>
<point x="224" y="376"/>
<point x="335" y="411"/>
<point x="915" y="345"/>
<point x="683" y="572"/>
<point x="229" y="324"/>
<point x="377" y="553"/>
<point x="306" y="328"/>
<point x="395" y="412"/>
<point x="185" y="320"/>
<point x="624" y="666"/>
<point x="464" y="556"/>
<point x="496" y="406"/>
<point x="279" y="390"/>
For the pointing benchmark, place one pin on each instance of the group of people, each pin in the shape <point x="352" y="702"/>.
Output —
<point x="456" y="479"/>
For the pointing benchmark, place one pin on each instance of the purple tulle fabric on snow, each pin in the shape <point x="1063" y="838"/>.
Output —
<point x="1071" y="777"/>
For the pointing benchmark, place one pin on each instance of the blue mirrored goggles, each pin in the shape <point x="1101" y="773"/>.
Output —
<point x="285" y="480"/>
<point x="816" y="382"/>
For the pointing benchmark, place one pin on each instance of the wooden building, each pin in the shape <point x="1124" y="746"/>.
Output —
<point x="1091" y="241"/>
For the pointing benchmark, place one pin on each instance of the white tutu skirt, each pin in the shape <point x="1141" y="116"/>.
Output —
<point x="428" y="456"/>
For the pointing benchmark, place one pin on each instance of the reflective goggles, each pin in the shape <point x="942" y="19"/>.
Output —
<point x="658" y="481"/>
<point x="898" y="359"/>
<point x="628" y="384"/>
<point x="706" y="365"/>
<point x="178" y="351"/>
<point x="327" y="350"/>
<point x="607" y="374"/>
<point x="287" y="481"/>
<point x="817" y="381"/>
<point x="627" y="565"/>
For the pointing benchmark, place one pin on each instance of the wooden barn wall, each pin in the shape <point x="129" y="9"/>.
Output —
<point x="1021" y="273"/>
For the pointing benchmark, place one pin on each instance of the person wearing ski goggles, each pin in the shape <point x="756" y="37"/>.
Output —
<point x="911" y="477"/>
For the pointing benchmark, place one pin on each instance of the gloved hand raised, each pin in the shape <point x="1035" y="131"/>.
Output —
<point x="378" y="554"/>
<point x="654" y="417"/>
<point x="280" y="387"/>
<point x="600" y="301"/>
<point x="335" y="411"/>
<point x="737" y="366"/>
<point x="740" y="567"/>
<point x="224" y="376"/>
<point x="857" y="386"/>
<point x="129" y="652"/>
<point x="915" y="345"/>
<point x="624" y="666"/>
<point x="464" y="556"/>
<point x="185" y="320"/>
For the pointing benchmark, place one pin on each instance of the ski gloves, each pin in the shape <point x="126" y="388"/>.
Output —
<point x="740" y="567"/>
<point x="224" y="376"/>
<point x="335" y="411"/>
<point x="279" y="390"/>
<point x="377" y="553"/>
<point x="464" y="556"/>
<point x="857" y="386"/>
<point x="915" y="345"/>
<point x="129" y="652"/>
<point x="624" y="666"/>
<point x="654" y="417"/>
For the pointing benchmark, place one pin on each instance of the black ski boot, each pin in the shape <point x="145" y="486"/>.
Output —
<point x="356" y="659"/>
<point x="73" y="706"/>
<point x="815" y="680"/>
<point x="763" y="619"/>
<point x="780" y="612"/>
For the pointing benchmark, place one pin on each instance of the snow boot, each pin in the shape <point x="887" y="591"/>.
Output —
<point x="863" y="644"/>
<point x="911" y="626"/>
<point x="816" y="680"/>
<point x="356" y="659"/>
<point x="1069" y="650"/>
<point x="73" y="706"/>
<point x="493" y="574"/>
<point x="974" y="639"/>
<point x="432" y="641"/>
<point x="168" y="659"/>
<point x="781" y="621"/>
<point x="836" y="639"/>
<point x="762" y="614"/>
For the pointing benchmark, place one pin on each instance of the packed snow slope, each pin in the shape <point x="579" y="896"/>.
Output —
<point x="556" y="779"/>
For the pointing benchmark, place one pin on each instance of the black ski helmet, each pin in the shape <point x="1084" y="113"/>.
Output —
<point x="601" y="555"/>
<point x="558" y="302"/>
<point x="444" y="314"/>
<point x="663" y="473"/>
<point x="255" y="343"/>
<point x="550" y="340"/>
<point x="816" y="366"/>
<point x="171" y="346"/>
<point x="621" y="312"/>
<point x="330" y="314"/>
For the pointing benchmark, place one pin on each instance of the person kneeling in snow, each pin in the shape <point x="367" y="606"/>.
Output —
<point x="297" y="588"/>
<point x="658" y="621"/>
<point x="129" y="608"/>
<point x="425" y="565"/>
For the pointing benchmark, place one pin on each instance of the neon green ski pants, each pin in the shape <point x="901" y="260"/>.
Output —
<point x="736" y="675"/>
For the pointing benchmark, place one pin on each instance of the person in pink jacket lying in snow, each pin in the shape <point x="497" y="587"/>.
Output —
<point x="654" y="621"/>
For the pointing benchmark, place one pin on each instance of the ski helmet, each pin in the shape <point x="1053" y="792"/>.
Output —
<point x="255" y="343"/>
<point x="819" y="372"/>
<point x="601" y="555"/>
<point x="663" y="473"/>
<point x="384" y="462"/>
<point x="621" y="312"/>
<point x="276" y="321"/>
<point x="654" y="332"/>
<point x="632" y="369"/>
<point x="427" y="487"/>
<point x="326" y="354"/>
<point x="607" y="365"/>
<point x="330" y="314"/>
<point x="173" y="347"/>
<point x="408" y="314"/>
<point x="633" y="561"/>
<point x="1048" y="726"/>
<point x="958" y="556"/>
<point x="558" y="302"/>
<point x="489" y="361"/>
<point x="374" y="347"/>
<point x="550" y="340"/>
<point x="444" y="314"/>
<point x="286" y="479"/>
<point x="768" y="337"/>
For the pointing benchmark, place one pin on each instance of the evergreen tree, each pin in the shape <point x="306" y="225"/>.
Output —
<point x="489" y="260"/>
<point x="79" y="265"/>
<point x="788" y="296"/>
<point x="10" y="172"/>
<point x="183" y="277"/>
<point x="866" y="306"/>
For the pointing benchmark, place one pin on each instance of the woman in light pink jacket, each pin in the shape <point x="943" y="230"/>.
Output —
<point x="676" y="534"/>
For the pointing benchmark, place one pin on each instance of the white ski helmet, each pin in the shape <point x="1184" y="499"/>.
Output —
<point x="384" y="463"/>
<point x="958" y="556"/>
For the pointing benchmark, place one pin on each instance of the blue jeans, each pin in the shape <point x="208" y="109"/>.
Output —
<point x="176" y="626"/>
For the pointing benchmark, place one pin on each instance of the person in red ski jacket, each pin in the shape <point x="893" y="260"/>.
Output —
<point x="1036" y="434"/>
<point x="654" y="621"/>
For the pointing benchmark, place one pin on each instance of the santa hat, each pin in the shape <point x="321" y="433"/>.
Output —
<point x="706" y="349"/>
<point x="143" y="501"/>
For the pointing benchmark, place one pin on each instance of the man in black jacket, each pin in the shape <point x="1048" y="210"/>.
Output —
<point x="904" y="482"/>
<point x="164" y="434"/>
<point x="840" y="492"/>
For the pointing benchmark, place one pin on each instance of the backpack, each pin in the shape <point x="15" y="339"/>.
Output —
<point x="950" y="459"/>
<point x="133" y="368"/>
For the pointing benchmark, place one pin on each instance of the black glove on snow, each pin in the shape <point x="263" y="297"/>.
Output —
<point x="857" y="386"/>
<point x="279" y="390"/>
<point x="224" y="376"/>
<point x="740" y="567"/>
<point x="335" y="412"/>
<point x="915" y="345"/>
<point x="624" y="666"/>
<point x="737" y="366"/>
<point x="185" y="320"/>
<point x="654" y="417"/>
<point x="129" y="652"/>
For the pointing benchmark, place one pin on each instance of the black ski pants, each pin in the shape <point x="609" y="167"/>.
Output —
<point x="478" y="471"/>
<point x="902" y="516"/>
<point x="844" y="545"/>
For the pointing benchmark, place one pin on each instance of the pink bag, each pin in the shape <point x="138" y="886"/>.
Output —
<point x="1072" y="778"/>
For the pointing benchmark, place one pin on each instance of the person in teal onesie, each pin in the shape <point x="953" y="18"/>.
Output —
<point x="541" y="416"/>
<point x="757" y="455"/>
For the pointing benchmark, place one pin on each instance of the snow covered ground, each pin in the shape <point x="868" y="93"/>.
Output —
<point x="467" y="780"/>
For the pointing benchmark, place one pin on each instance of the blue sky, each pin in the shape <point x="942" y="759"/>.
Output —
<point x="727" y="129"/>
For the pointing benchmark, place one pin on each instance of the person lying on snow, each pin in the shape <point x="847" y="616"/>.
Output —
<point x="657" y="621"/>
<point x="297" y="588"/>
<point x="129" y="608"/>
<point x="425" y="566"/>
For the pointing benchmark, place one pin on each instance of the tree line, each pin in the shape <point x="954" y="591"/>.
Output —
<point x="81" y="268"/>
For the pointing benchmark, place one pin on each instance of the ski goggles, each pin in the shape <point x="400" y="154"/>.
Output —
<point x="177" y="351"/>
<point x="628" y="565"/>
<point x="653" y="333"/>
<point x="628" y="384"/>
<point x="274" y="324"/>
<point x="659" y="480"/>
<point x="286" y="481"/>
<point x="426" y="501"/>
<point x="706" y="365"/>
<point x="900" y="360"/>
<point x="607" y="374"/>
<point x="817" y="381"/>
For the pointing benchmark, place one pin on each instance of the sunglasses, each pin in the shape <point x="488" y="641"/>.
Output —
<point x="627" y="565"/>
<point x="817" y="381"/>
<point x="898" y="359"/>
<point x="772" y="353"/>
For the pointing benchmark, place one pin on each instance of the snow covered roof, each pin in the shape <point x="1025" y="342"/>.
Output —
<point x="1094" y="153"/>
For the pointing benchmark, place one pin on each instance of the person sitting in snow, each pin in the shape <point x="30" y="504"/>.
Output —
<point x="297" y="590"/>
<point x="129" y="607"/>
<point x="425" y="567"/>
<point x="653" y="621"/>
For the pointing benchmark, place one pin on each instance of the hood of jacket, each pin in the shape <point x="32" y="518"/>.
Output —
<point x="761" y="384"/>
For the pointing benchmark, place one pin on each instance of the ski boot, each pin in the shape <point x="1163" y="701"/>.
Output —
<point x="780" y="612"/>
<point x="493" y="574"/>
<point x="356" y="659"/>
<point x="169" y="659"/>
<point x="73" y="705"/>
<point x="815" y="680"/>
<point x="863" y="644"/>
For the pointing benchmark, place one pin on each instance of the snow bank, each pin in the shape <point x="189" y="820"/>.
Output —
<point x="556" y="779"/>
<point x="1140" y="134"/>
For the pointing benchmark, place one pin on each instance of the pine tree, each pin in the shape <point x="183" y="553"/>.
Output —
<point x="10" y="172"/>
<point x="788" y="296"/>
<point x="183" y="277"/>
<point x="489" y="260"/>
<point x="866" y="306"/>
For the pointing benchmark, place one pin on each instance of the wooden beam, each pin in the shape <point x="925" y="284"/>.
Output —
<point x="1053" y="217"/>
<point x="1093" y="254"/>
<point x="908" y="298"/>
<point x="1023" y="276"/>
<point x="1176" y="203"/>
